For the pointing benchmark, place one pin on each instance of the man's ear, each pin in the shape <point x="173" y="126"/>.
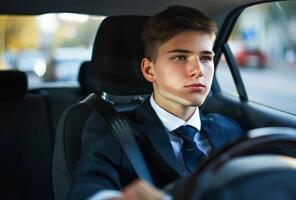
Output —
<point x="147" y="68"/>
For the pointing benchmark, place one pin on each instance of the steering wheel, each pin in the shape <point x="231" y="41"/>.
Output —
<point x="241" y="159"/>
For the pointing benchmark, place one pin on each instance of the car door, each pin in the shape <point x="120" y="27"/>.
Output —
<point x="255" y="61"/>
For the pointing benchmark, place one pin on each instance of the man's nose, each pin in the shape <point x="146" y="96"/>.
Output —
<point x="196" y="68"/>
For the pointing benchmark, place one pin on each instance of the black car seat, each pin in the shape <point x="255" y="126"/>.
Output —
<point x="85" y="78"/>
<point x="116" y="58"/>
<point x="59" y="98"/>
<point x="25" y="140"/>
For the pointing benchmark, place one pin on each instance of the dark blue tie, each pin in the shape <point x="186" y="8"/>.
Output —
<point x="191" y="154"/>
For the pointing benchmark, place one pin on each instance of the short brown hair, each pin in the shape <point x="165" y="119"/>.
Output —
<point x="175" y="19"/>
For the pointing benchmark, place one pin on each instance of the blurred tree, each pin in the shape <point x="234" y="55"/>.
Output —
<point x="2" y="41"/>
<point x="16" y="33"/>
<point x="21" y="32"/>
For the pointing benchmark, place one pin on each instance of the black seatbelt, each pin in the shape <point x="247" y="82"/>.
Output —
<point x="123" y="132"/>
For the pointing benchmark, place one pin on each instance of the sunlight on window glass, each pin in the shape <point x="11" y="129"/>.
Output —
<point x="48" y="23"/>
<point x="40" y="67"/>
<point x="73" y="17"/>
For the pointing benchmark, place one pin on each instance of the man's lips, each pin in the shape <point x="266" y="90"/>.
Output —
<point x="196" y="85"/>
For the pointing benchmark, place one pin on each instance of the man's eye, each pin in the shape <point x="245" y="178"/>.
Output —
<point x="179" y="57"/>
<point x="206" y="58"/>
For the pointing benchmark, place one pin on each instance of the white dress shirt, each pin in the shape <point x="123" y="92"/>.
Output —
<point x="172" y="122"/>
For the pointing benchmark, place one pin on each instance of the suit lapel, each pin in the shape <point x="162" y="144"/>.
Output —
<point x="214" y="132"/>
<point x="149" y="124"/>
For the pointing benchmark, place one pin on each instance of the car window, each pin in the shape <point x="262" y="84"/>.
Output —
<point x="263" y="43"/>
<point x="49" y="47"/>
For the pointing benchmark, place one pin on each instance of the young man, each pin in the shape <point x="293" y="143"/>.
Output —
<point x="179" y="64"/>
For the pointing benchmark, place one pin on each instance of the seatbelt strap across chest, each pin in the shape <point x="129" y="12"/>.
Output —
<point x="122" y="131"/>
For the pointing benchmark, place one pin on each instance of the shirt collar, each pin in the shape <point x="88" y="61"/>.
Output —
<point x="172" y="122"/>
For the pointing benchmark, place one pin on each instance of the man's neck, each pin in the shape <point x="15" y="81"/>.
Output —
<point x="180" y="111"/>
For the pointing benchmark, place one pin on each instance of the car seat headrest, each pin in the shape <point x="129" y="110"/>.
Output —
<point x="13" y="84"/>
<point x="117" y="54"/>
<point x="85" y="77"/>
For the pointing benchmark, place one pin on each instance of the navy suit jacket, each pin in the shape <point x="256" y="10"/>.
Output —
<point x="104" y="165"/>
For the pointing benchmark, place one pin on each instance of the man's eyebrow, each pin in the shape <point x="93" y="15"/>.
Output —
<point x="187" y="51"/>
<point x="179" y="51"/>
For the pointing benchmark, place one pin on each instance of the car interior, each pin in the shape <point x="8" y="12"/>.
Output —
<point x="41" y="127"/>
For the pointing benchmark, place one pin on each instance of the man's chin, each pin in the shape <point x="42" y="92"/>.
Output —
<point x="197" y="103"/>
